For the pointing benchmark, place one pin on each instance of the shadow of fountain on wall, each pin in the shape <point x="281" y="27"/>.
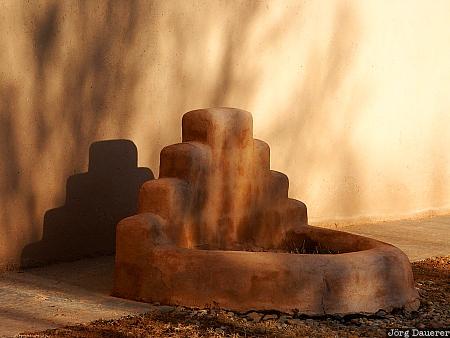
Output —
<point x="95" y="202"/>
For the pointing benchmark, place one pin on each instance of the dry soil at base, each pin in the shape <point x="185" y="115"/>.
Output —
<point x="432" y="278"/>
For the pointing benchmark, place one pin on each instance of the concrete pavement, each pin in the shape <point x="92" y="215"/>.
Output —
<point x="419" y="239"/>
<point x="59" y="295"/>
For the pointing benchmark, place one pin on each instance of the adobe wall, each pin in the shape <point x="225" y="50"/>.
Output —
<point x="351" y="96"/>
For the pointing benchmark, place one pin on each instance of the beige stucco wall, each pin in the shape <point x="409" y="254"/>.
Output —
<point x="352" y="96"/>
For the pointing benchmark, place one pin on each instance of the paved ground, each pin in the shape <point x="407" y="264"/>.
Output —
<point x="419" y="239"/>
<point x="60" y="294"/>
<point x="77" y="292"/>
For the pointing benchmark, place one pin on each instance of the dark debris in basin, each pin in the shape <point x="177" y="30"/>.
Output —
<point x="305" y="247"/>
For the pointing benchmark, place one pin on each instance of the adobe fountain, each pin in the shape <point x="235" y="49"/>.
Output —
<point x="218" y="229"/>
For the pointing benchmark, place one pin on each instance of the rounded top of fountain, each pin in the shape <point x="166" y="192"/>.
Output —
<point x="218" y="126"/>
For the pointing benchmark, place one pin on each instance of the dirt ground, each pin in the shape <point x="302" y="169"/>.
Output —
<point x="432" y="278"/>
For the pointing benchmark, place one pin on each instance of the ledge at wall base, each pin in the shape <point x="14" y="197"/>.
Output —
<point x="358" y="220"/>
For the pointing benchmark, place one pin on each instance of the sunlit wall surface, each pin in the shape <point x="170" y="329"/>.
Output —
<point x="352" y="96"/>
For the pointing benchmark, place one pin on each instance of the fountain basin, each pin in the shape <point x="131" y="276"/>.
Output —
<point x="370" y="275"/>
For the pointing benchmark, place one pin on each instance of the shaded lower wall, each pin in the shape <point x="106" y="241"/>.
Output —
<point x="95" y="202"/>
<point x="350" y="95"/>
